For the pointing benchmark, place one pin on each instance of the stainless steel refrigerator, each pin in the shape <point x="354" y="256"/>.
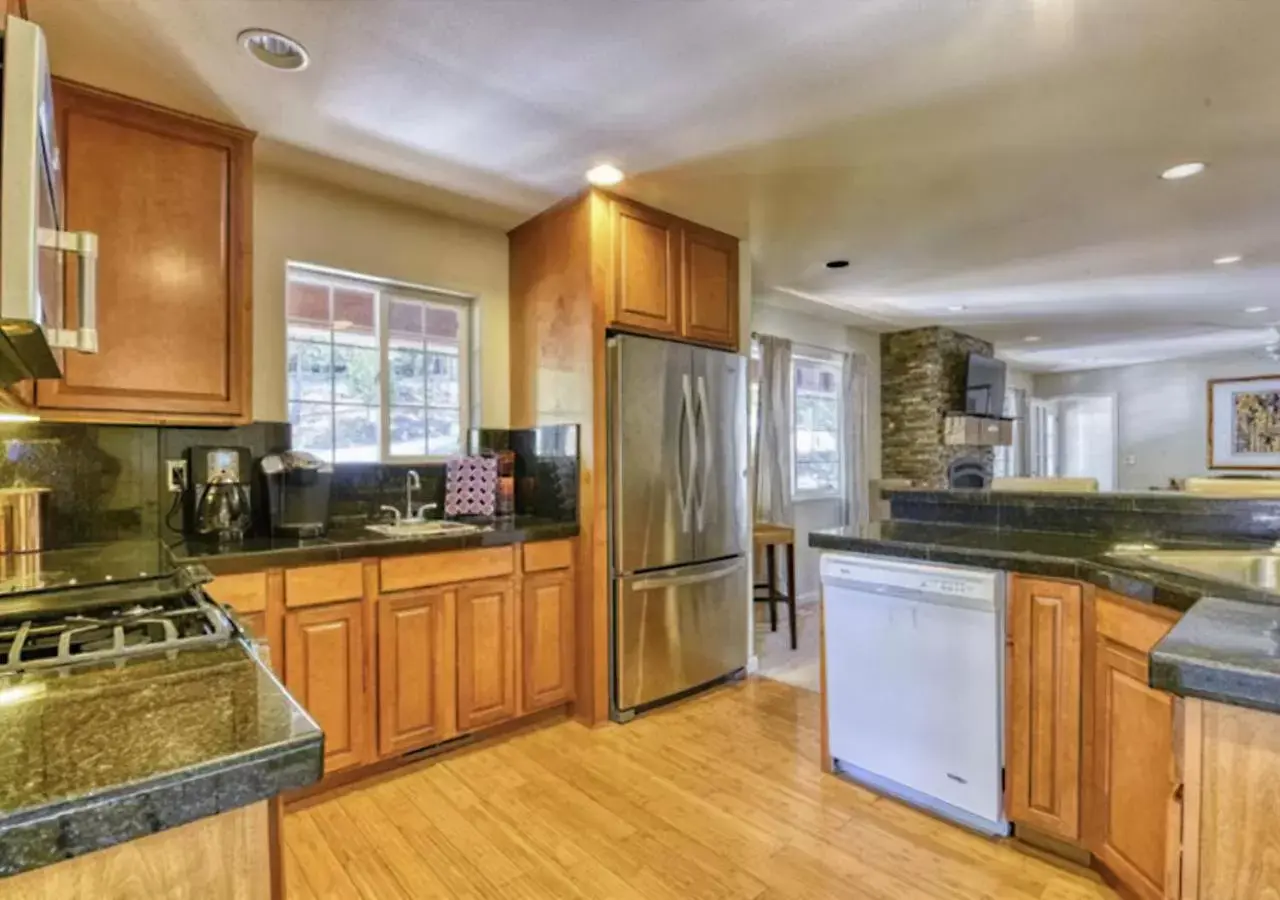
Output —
<point x="678" y="519"/>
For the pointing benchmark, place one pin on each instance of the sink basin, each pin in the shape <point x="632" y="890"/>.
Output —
<point x="421" y="528"/>
<point x="1248" y="567"/>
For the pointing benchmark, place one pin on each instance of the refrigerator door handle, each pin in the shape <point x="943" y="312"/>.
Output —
<point x="687" y="486"/>
<point x="660" y="582"/>
<point x="704" y="419"/>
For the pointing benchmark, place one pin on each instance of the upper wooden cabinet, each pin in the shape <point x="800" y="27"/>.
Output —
<point x="646" y="269"/>
<point x="486" y="653"/>
<point x="169" y="197"/>
<point x="671" y="277"/>
<point x="416" y="681"/>
<point x="709" y="295"/>
<point x="1043" y="706"/>
<point x="1132" y="808"/>
<point x="324" y="670"/>
<point x="547" y="614"/>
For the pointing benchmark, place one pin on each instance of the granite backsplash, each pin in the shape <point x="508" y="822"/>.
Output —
<point x="108" y="482"/>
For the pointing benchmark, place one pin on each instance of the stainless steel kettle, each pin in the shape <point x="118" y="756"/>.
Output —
<point x="223" y="511"/>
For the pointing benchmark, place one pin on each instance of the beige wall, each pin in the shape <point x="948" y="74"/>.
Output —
<point x="296" y="219"/>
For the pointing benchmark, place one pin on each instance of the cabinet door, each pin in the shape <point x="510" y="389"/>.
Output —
<point x="547" y="639"/>
<point x="709" y="286"/>
<point x="416" y="683"/>
<point x="324" y="670"/>
<point x="646" y="268"/>
<point x="1043" y="707"/>
<point x="169" y="197"/>
<point x="486" y="654"/>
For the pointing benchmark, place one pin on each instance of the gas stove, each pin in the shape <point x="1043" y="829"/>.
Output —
<point x="162" y="623"/>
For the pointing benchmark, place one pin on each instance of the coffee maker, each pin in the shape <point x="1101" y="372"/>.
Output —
<point x="218" y="504"/>
<point x="296" y="484"/>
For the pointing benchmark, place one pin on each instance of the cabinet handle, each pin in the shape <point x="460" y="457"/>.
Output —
<point x="85" y="245"/>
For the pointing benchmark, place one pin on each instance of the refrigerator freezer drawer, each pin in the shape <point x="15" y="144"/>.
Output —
<point x="679" y="628"/>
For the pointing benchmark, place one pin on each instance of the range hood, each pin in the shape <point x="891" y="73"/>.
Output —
<point x="32" y="242"/>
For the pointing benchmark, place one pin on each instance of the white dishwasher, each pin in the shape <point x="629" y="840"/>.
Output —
<point x="915" y="682"/>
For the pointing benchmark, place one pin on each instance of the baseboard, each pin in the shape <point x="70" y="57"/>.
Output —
<point x="753" y="664"/>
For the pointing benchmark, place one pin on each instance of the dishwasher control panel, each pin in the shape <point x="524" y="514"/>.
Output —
<point x="883" y="575"/>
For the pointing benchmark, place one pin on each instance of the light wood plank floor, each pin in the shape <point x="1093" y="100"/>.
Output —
<point x="717" y="798"/>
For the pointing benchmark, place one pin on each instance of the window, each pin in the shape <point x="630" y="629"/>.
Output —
<point x="816" y="382"/>
<point x="344" y="334"/>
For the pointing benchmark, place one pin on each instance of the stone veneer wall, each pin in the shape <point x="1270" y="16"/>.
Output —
<point x="922" y="378"/>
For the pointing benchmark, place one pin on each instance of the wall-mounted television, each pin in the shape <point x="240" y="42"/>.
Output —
<point x="984" y="386"/>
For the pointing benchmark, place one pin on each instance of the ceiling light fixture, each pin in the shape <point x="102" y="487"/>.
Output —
<point x="838" y="264"/>
<point x="1228" y="260"/>
<point x="1032" y="339"/>
<point x="1182" y="170"/>
<point x="604" y="175"/>
<point x="271" y="48"/>
<point x="956" y="308"/>
<point x="1256" y="309"/>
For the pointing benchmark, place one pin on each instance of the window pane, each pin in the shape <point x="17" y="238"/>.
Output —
<point x="408" y="376"/>
<point x="408" y="431"/>
<point x="443" y="389"/>
<point x="404" y="320"/>
<point x="353" y="310"/>
<point x="308" y="367"/>
<point x="307" y="303"/>
<point x="355" y="374"/>
<point x="313" y="428"/>
<point x="355" y="433"/>
<point x="817" y="425"/>
<point x="814" y="477"/>
<point x="444" y="436"/>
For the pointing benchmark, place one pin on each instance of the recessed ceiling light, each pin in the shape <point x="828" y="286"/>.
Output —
<point x="1032" y="338"/>
<point x="956" y="308"/>
<point x="275" y="49"/>
<point x="1228" y="260"/>
<point x="1256" y="309"/>
<point x="1182" y="170"/>
<point x="838" y="264"/>
<point x="604" y="175"/>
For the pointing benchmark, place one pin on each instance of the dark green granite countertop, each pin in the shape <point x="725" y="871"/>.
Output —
<point x="356" y="543"/>
<point x="99" y="755"/>
<point x="1226" y="646"/>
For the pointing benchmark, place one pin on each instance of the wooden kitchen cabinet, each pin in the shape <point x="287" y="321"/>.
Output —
<point x="646" y="269"/>
<point x="1132" y="798"/>
<point x="547" y="648"/>
<point x="417" y="637"/>
<point x="169" y="197"/>
<point x="709" y="286"/>
<point x="324" y="670"/>
<point x="486" y="653"/>
<point x="1043" y="706"/>
<point x="671" y="278"/>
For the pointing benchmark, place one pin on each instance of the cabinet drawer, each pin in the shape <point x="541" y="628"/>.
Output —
<point x="313" y="585"/>
<point x="401" y="573"/>
<point x="546" y="555"/>
<point x="245" y="593"/>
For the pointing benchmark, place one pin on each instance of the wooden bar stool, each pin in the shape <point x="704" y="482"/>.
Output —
<point x="769" y="536"/>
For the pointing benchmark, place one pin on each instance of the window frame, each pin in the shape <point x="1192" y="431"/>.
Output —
<point x="837" y="361"/>
<point x="385" y="290"/>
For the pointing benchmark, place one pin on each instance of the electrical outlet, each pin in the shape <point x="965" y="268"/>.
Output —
<point x="177" y="472"/>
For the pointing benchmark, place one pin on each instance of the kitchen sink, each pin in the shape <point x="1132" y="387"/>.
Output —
<point x="1258" y="569"/>
<point x="424" y="528"/>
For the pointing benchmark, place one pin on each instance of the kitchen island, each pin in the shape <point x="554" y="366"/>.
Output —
<point x="1140" y="726"/>
<point x="137" y="773"/>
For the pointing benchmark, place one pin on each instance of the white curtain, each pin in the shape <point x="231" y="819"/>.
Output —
<point x="854" y="402"/>
<point x="773" y="439"/>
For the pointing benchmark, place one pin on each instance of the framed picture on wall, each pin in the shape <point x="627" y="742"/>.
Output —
<point x="1244" y="423"/>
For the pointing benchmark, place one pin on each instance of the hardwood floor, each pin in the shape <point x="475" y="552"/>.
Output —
<point x="718" y="797"/>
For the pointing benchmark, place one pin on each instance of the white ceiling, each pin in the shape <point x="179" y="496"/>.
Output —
<point x="999" y="155"/>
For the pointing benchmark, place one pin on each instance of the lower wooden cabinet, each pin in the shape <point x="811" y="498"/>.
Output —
<point x="1043" y="706"/>
<point x="324" y="670"/>
<point x="486" y="653"/>
<point x="546" y="644"/>
<point x="1133" y="806"/>
<point x="416" y="670"/>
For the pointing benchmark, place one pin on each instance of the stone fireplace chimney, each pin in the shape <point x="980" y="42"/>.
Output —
<point x="922" y="378"/>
